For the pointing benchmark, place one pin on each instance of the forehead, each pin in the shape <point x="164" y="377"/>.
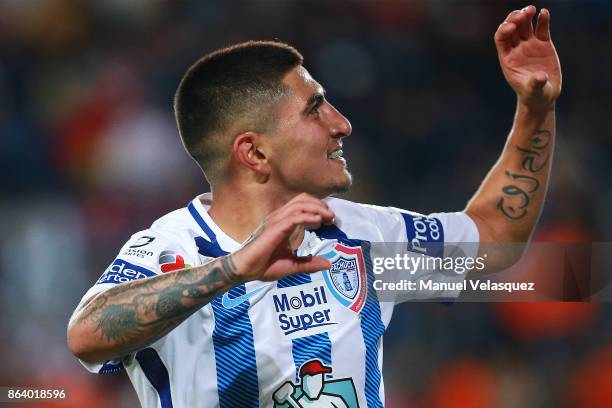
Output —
<point x="301" y="84"/>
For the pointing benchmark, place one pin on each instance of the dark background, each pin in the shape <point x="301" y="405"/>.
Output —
<point x="89" y="154"/>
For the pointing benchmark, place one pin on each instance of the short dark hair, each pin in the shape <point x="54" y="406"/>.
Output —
<point x="235" y="88"/>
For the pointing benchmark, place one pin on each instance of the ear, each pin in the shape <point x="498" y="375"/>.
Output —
<point x="249" y="151"/>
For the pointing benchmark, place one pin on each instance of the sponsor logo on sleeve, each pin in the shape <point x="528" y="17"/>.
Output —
<point x="142" y="241"/>
<point x="303" y="310"/>
<point x="122" y="271"/>
<point x="171" y="261"/>
<point x="425" y="234"/>
<point x="137" y="252"/>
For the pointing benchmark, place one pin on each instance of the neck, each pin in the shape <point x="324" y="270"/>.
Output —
<point x="239" y="209"/>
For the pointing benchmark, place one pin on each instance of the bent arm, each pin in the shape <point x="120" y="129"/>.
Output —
<point x="132" y="315"/>
<point x="508" y="204"/>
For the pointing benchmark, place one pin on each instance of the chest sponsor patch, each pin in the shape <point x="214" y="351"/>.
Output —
<point x="425" y="234"/>
<point x="122" y="271"/>
<point x="303" y="310"/>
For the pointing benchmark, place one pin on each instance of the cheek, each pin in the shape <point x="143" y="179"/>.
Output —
<point x="304" y="152"/>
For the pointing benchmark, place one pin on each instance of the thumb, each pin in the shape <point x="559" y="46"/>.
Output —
<point x="308" y="264"/>
<point x="538" y="80"/>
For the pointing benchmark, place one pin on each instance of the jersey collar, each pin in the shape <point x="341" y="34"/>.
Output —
<point x="198" y="208"/>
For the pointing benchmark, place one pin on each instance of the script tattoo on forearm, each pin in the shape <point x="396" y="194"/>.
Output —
<point x="129" y="313"/>
<point x="517" y="195"/>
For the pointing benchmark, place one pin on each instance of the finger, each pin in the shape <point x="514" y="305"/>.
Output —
<point x="286" y="230"/>
<point x="542" y="31"/>
<point x="288" y="225"/>
<point x="305" y="197"/>
<point x="515" y="37"/>
<point x="309" y="264"/>
<point x="518" y="17"/>
<point x="525" y="22"/>
<point x="514" y="18"/>
<point x="298" y="207"/>
<point x="327" y="215"/>
<point x="307" y="206"/>
<point x="296" y="201"/>
<point x="503" y="36"/>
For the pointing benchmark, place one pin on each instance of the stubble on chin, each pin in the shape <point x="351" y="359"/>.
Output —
<point x="343" y="187"/>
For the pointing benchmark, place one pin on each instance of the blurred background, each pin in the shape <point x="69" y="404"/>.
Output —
<point x="90" y="154"/>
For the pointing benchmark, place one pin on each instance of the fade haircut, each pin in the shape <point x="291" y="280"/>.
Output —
<point x="227" y="92"/>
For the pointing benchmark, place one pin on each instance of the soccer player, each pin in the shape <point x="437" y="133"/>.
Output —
<point x="225" y="302"/>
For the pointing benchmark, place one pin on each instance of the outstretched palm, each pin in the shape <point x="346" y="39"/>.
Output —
<point x="528" y="57"/>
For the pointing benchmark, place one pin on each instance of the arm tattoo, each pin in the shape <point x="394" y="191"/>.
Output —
<point x="228" y="268"/>
<point x="518" y="194"/>
<point x="137" y="313"/>
<point x="116" y="322"/>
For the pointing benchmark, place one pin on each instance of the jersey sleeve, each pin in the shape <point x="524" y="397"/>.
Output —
<point x="146" y="254"/>
<point x="436" y="244"/>
<point x="441" y="234"/>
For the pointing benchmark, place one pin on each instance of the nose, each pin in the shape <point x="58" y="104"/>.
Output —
<point x="339" y="126"/>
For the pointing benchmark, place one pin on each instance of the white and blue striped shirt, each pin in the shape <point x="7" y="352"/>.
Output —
<point x="240" y="349"/>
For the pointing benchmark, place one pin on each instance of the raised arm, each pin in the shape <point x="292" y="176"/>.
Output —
<point x="132" y="315"/>
<point x="507" y="205"/>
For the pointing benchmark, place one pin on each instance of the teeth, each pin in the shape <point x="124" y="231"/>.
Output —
<point x="335" y="155"/>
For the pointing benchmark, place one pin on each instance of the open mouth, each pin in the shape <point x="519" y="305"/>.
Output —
<point x="335" y="155"/>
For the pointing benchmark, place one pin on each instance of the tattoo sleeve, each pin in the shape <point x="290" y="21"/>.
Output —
<point x="508" y="203"/>
<point x="522" y="184"/>
<point x="131" y="315"/>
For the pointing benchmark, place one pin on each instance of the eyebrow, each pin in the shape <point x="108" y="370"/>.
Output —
<point x="315" y="99"/>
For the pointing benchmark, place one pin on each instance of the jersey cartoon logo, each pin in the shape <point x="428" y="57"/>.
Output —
<point x="171" y="261"/>
<point x="347" y="277"/>
<point x="315" y="391"/>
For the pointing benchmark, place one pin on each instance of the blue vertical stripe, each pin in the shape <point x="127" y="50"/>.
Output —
<point x="373" y="329"/>
<point x="310" y="347"/>
<point x="237" y="381"/>
<point x="157" y="374"/>
<point x="235" y="354"/>
<point x="372" y="326"/>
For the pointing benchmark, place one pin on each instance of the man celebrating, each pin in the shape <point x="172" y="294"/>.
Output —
<point x="220" y="303"/>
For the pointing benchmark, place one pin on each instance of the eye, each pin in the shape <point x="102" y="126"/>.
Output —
<point x="314" y="111"/>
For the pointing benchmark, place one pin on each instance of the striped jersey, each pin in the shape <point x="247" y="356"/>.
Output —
<point x="309" y="340"/>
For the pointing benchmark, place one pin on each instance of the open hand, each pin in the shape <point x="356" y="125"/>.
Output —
<point x="528" y="58"/>
<point x="269" y="254"/>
